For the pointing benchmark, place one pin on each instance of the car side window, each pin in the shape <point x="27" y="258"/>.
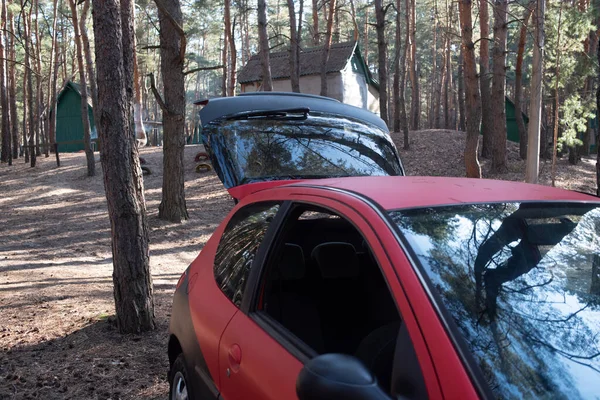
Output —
<point x="323" y="285"/>
<point x="238" y="246"/>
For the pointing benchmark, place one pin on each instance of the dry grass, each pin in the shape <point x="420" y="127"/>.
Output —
<point x="57" y="340"/>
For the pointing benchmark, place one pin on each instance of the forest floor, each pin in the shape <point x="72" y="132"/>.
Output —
<point x="57" y="333"/>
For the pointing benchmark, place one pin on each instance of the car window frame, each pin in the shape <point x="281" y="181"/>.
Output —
<point x="265" y="244"/>
<point x="280" y="334"/>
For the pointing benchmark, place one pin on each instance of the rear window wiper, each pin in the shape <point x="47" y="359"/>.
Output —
<point x="287" y="114"/>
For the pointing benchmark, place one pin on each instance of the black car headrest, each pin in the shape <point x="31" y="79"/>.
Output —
<point x="336" y="260"/>
<point x="292" y="265"/>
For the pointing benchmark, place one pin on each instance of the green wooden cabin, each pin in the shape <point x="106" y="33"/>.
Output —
<point x="512" y="130"/>
<point x="69" y="127"/>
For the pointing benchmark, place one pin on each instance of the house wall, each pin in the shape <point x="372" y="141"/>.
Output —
<point x="69" y="126"/>
<point x="309" y="84"/>
<point x="357" y="92"/>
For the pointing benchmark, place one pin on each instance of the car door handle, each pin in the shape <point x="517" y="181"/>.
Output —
<point x="235" y="357"/>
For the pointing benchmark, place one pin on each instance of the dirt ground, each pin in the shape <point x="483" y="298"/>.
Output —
<point x="57" y="338"/>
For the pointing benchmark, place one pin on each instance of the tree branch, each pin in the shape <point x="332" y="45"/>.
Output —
<point x="177" y="27"/>
<point x="159" y="99"/>
<point x="191" y="71"/>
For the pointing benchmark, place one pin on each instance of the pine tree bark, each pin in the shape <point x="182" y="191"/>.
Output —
<point x="89" y="64"/>
<point x="12" y="88"/>
<point x="39" y="97"/>
<point x="227" y="48"/>
<point x="294" y="45"/>
<point x="382" y="60"/>
<point x="28" y="99"/>
<point x="472" y="94"/>
<point x="519" y="81"/>
<point x="123" y="180"/>
<point x="233" y="61"/>
<point x="415" y="103"/>
<point x="315" y="22"/>
<point x="267" y="82"/>
<point x="326" y="47"/>
<point x="55" y="57"/>
<point x="536" y="103"/>
<point x="461" y="93"/>
<point x="497" y="99"/>
<point x="172" y="53"/>
<point x="6" y="153"/>
<point x="87" y="139"/>
<point x="400" y="118"/>
<point x="485" y="78"/>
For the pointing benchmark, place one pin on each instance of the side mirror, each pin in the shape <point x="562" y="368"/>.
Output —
<point x="337" y="376"/>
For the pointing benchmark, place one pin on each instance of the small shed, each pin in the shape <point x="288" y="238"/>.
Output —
<point x="348" y="77"/>
<point x="69" y="126"/>
<point x="512" y="130"/>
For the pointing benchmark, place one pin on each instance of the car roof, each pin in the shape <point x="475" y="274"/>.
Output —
<point x="267" y="101"/>
<point x="402" y="192"/>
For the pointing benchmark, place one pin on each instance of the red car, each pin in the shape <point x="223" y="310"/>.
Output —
<point x="393" y="287"/>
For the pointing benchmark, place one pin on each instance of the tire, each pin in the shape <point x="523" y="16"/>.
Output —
<point x="202" y="157"/>
<point x="203" y="167"/>
<point x="179" y="380"/>
<point x="146" y="171"/>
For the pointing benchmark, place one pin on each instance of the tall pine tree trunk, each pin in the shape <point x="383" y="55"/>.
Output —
<point x="172" y="54"/>
<point x="519" y="82"/>
<point x="536" y="103"/>
<point x="315" y="22"/>
<point x="12" y="88"/>
<point x="400" y="118"/>
<point x="6" y="154"/>
<point x="123" y="183"/>
<point x="226" y="47"/>
<point x="415" y="104"/>
<point x="485" y="78"/>
<point x="267" y="82"/>
<point x="382" y="60"/>
<point x="472" y="95"/>
<point x="326" y="47"/>
<point x="461" y="93"/>
<point x="29" y="85"/>
<point x="498" y="128"/>
<point x="294" y="45"/>
<point x="54" y="80"/>
<point x="87" y="141"/>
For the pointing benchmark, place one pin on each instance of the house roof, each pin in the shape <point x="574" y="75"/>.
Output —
<point x="76" y="87"/>
<point x="310" y="62"/>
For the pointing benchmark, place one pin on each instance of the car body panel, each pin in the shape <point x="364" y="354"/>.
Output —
<point x="401" y="192"/>
<point x="210" y="309"/>
<point x="267" y="370"/>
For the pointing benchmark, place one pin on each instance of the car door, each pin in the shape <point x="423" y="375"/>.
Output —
<point x="261" y="356"/>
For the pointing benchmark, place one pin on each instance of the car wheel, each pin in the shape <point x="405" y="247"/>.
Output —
<point x="179" y="381"/>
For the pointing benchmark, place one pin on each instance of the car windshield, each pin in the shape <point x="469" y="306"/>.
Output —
<point x="522" y="283"/>
<point x="259" y="149"/>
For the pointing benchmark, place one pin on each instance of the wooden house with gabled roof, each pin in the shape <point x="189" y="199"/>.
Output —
<point x="348" y="77"/>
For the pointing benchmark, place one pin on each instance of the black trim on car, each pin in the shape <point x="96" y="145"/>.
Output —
<point x="181" y="329"/>
<point x="262" y="255"/>
<point x="452" y="330"/>
<point x="294" y="345"/>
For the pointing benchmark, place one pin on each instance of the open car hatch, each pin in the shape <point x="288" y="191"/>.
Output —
<point x="266" y="139"/>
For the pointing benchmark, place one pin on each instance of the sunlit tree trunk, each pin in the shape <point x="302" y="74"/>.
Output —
<point x="497" y="99"/>
<point x="326" y="47"/>
<point x="519" y="81"/>
<point x="472" y="94"/>
<point x="123" y="180"/>
<point x="28" y="97"/>
<point x="415" y="104"/>
<point x="536" y="103"/>
<point x="485" y="77"/>
<point x="91" y="163"/>
<point x="6" y="154"/>
<point x="55" y="57"/>
<point x="400" y="118"/>
<point x="267" y="82"/>
<point x="294" y="46"/>
<point x="12" y="87"/>
<point x="382" y="60"/>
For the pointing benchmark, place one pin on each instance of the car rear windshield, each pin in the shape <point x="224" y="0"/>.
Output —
<point x="259" y="149"/>
<point x="522" y="283"/>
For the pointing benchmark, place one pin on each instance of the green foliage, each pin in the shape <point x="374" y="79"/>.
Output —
<point x="576" y="114"/>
